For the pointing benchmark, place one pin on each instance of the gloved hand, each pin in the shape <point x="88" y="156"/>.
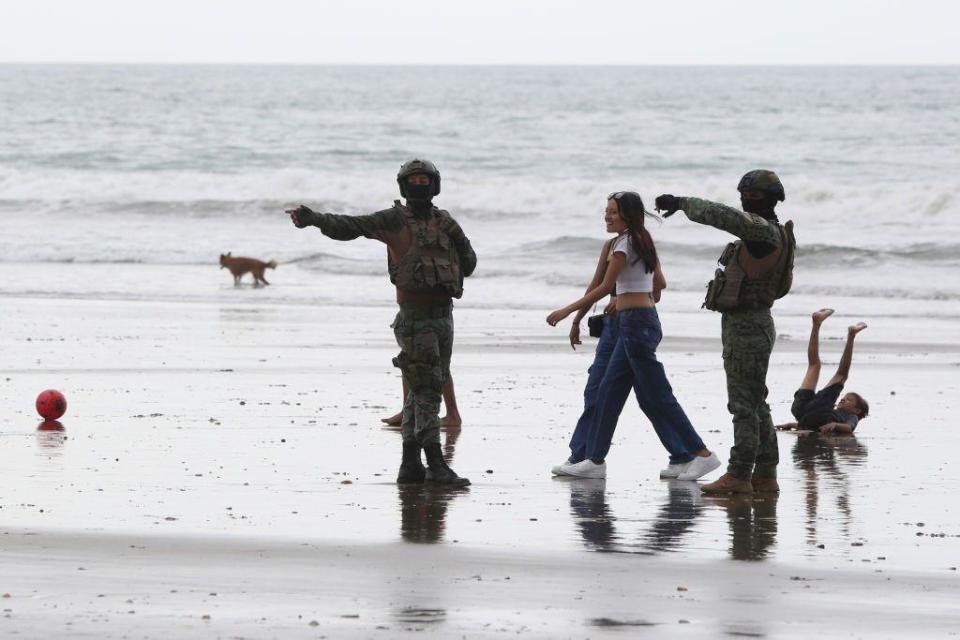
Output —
<point x="303" y="216"/>
<point x="667" y="204"/>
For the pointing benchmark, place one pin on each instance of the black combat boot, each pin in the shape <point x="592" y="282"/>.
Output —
<point x="411" y="467"/>
<point x="437" y="470"/>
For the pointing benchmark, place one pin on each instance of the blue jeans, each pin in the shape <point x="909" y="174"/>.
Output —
<point x="634" y="363"/>
<point x="601" y="357"/>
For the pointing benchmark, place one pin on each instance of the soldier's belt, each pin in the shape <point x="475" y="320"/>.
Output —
<point x="436" y="310"/>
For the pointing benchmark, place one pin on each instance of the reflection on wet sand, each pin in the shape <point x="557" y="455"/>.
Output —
<point x="419" y="616"/>
<point x="51" y="435"/>
<point x="753" y="523"/>
<point x="597" y="524"/>
<point x="423" y="511"/>
<point x="819" y="457"/>
<point x="423" y="507"/>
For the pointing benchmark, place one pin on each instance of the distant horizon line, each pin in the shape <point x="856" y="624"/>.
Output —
<point x="474" y="64"/>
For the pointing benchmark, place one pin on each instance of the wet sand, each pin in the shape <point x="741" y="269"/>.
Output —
<point x="225" y="459"/>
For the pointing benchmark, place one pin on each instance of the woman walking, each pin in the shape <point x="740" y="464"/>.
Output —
<point x="634" y="270"/>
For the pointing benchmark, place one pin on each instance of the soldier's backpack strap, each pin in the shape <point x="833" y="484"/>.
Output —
<point x="789" y="250"/>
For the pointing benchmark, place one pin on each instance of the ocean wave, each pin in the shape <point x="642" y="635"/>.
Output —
<point x="815" y="254"/>
<point x="257" y="190"/>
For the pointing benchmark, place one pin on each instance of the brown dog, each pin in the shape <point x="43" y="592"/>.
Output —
<point x="239" y="266"/>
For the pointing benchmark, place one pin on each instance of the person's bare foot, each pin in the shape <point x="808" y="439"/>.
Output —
<point x="854" y="329"/>
<point x="451" y="421"/>
<point x="393" y="421"/>
<point x="820" y="316"/>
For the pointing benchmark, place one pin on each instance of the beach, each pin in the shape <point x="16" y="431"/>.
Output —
<point x="222" y="472"/>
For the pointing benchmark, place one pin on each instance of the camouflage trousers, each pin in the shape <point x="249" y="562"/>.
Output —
<point x="748" y="337"/>
<point x="425" y="336"/>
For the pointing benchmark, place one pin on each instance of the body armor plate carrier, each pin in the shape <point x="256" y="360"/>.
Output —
<point x="746" y="282"/>
<point x="433" y="261"/>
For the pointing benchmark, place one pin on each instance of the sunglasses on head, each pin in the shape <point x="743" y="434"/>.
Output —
<point x="616" y="195"/>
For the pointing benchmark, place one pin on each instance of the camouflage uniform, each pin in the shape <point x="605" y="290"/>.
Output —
<point x="423" y="331"/>
<point x="425" y="336"/>
<point x="748" y="336"/>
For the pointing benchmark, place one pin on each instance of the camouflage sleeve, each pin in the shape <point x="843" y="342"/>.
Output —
<point x="746" y="226"/>
<point x="468" y="257"/>
<point x="373" y="226"/>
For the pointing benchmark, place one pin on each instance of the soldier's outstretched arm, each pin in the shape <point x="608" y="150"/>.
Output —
<point x="743" y="225"/>
<point x="341" y="227"/>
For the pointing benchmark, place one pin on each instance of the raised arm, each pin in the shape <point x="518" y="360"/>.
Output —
<point x="340" y="227"/>
<point x="746" y="226"/>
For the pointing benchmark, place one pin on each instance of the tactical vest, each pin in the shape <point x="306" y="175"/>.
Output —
<point x="433" y="261"/>
<point x="746" y="282"/>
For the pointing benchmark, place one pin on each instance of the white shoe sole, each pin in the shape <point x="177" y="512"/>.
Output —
<point x="700" y="467"/>
<point x="591" y="476"/>
<point x="670" y="475"/>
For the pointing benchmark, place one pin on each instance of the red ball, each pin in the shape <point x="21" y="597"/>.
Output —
<point x="51" y="404"/>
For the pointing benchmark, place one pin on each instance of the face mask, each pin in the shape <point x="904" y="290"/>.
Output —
<point x="759" y="207"/>
<point x="419" y="191"/>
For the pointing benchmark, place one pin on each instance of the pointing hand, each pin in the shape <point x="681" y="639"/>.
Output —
<point x="302" y="216"/>
<point x="668" y="204"/>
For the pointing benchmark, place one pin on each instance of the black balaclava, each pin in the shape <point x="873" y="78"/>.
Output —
<point x="763" y="208"/>
<point x="420" y="192"/>
<point x="419" y="197"/>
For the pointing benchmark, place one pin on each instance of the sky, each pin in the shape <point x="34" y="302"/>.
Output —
<point x="482" y="32"/>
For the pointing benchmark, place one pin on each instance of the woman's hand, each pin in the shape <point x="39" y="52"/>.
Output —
<point x="611" y="308"/>
<point x="575" y="336"/>
<point x="557" y="316"/>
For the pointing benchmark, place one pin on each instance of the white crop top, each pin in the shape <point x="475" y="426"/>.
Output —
<point x="633" y="278"/>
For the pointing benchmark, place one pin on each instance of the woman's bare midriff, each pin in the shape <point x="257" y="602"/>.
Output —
<point x="634" y="300"/>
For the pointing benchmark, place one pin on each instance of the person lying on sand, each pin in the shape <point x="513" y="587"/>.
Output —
<point x="819" y="410"/>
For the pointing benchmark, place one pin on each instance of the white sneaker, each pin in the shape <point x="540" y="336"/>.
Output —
<point x="699" y="467"/>
<point x="562" y="469"/>
<point x="673" y="470"/>
<point x="587" y="469"/>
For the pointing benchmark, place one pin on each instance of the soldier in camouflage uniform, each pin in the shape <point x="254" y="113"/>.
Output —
<point x="428" y="256"/>
<point x="757" y="269"/>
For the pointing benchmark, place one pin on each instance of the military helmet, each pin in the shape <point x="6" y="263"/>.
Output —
<point x="764" y="181"/>
<point x="415" y="166"/>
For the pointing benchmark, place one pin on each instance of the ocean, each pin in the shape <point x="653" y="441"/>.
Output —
<point x="171" y="165"/>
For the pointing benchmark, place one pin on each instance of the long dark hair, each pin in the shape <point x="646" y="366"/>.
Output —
<point x="630" y="205"/>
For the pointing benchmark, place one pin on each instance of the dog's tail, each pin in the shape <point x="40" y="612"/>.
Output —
<point x="272" y="264"/>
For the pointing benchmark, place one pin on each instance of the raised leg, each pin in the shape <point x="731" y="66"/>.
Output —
<point x="843" y="370"/>
<point x="813" y="350"/>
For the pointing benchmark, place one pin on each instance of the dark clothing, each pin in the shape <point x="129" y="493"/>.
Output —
<point x="425" y="336"/>
<point x="748" y="337"/>
<point x="813" y="410"/>
<point x="391" y="222"/>
<point x="601" y="358"/>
